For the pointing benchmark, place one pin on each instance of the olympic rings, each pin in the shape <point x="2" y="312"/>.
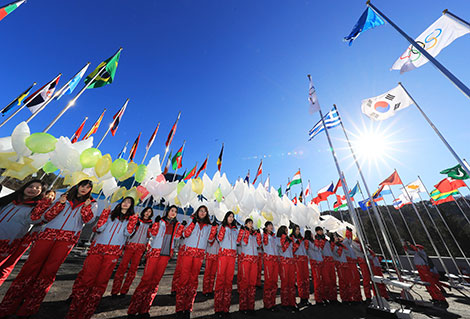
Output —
<point x="427" y="39"/>
<point x="412" y="50"/>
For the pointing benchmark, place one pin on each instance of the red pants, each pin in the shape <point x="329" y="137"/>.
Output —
<point x="96" y="272"/>
<point x="132" y="255"/>
<point x="271" y="274"/>
<point x="187" y="284"/>
<point x="35" y="278"/>
<point x="303" y="279"/>
<point x="287" y="273"/>
<point x="260" y="268"/>
<point x="147" y="289"/>
<point x="366" y="284"/>
<point x="209" y="274"/>
<point x="329" y="280"/>
<point x="7" y="265"/>
<point x="318" y="284"/>
<point x="354" y="280"/>
<point x="223" y="285"/>
<point x="433" y="289"/>
<point x="344" y="279"/>
<point x="382" y="288"/>
<point x="247" y="288"/>
<point x="77" y="283"/>
<point x="177" y="273"/>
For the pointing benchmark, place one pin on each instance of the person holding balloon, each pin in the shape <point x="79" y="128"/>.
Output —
<point x="65" y="220"/>
<point x="271" y="266"/>
<point x="210" y="270"/>
<point x="287" y="269"/>
<point x="315" y="257"/>
<point x="299" y="249"/>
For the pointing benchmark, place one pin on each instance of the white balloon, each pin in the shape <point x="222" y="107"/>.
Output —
<point x="39" y="160"/>
<point x="239" y="190"/>
<point x="109" y="187"/>
<point x="225" y="186"/>
<point x="207" y="192"/>
<point x="230" y="201"/>
<point x="5" y="145"/>
<point x="153" y="167"/>
<point x="80" y="146"/>
<point x="18" y="137"/>
<point x="186" y="194"/>
<point x="260" y="197"/>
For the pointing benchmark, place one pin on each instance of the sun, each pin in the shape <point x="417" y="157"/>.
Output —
<point x="371" y="145"/>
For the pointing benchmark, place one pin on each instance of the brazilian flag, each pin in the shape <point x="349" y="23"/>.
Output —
<point x="106" y="76"/>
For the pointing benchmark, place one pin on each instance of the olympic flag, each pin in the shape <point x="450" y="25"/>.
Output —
<point x="439" y="35"/>
<point x="384" y="106"/>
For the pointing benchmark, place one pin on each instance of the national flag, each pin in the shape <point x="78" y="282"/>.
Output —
<point x="172" y="132"/>
<point x="415" y="187"/>
<point x="17" y="100"/>
<point x="456" y="183"/>
<point x="365" y="204"/>
<point x="266" y="184"/>
<point x="258" y="172"/>
<point x="393" y="179"/>
<point x="448" y="184"/>
<point x="386" y="105"/>
<point x="152" y="138"/>
<point x="95" y="126"/>
<point x="437" y="195"/>
<point x="168" y="165"/>
<point x="331" y="120"/>
<point x="354" y="191"/>
<point x="301" y="196"/>
<point x="134" y="148"/>
<point x="339" y="203"/>
<point x="368" y="20"/>
<point x="449" y="198"/>
<point x="401" y="201"/>
<point x="338" y="184"/>
<point x="456" y="172"/>
<point x="202" y="168"/>
<point x="247" y="177"/>
<point x="377" y="197"/>
<point x="219" y="160"/>
<point x="279" y="191"/>
<point x="105" y="76"/>
<point x="191" y="173"/>
<point x="323" y="193"/>
<point x="123" y="151"/>
<point x="386" y="190"/>
<point x="9" y="8"/>
<point x="177" y="160"/>
<point x="117" y="118"/>
<point x="36" y="100"/>
<point x="295" y="180"/>
<point x="312" y="97"/>
<point x="78" y="132"/>
<point x="72" y="83"/>
<point x="435" y="38"/>
<point x="294" y="200"/>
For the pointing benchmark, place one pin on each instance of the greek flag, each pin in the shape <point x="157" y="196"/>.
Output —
<point x="331" y="120"/>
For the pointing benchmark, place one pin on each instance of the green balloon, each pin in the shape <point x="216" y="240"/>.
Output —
<point x="119" y="167"/>
<point x="141" y="173"/>
<point x="41" y="142"/>
<point x="90" y="157"/>
<point x="218" y="195"/>
<point x="179" y="187"/>
<point x="49" y="167"/>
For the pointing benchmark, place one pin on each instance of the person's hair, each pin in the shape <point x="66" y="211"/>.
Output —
<point x="308" y="235"/>
<point x="50" y="191"/>
<point x="225" y="220"/>
<point x="18" y="195"/>
<point x="205" y="220"/>
<point x="248" y="220"/>
<point x="268" y="223"/>
<point x="318" y="228"/>
<point x="116" y="213"/>
<point x="72" y="194"/>
<point x="143" y="212"/>
<point x="168" y="210"/>
<point x="282" y="231"/>
<point x="293" y="232"/>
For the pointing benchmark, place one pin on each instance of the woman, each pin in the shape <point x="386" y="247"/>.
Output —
<point x="329" y="290"/>
<point x="210" y="269"/>
<point x="18" y="211"/>
<point x="377" y="271"/>
<point x="354" y="276"/>
<point x="301" y="266"/>
<point x="163" y="233"/>
<point x="287" y="270"/>
<point x="314" y="253"/>
<point x="177" y="273"/>
<point x="113" y="229"/>
<point x="135" y="248"/>
<point x="342" y="267"/>
<point x="361" y="261"/>
<point x="271" y="266"/>
<point x="198" y="233"/>
<point x="65" y="220"/>
<point x="227" y="237"/>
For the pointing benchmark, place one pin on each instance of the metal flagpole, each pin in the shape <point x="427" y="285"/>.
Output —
<point x="84" y="120"/>
<point x="148" y="148"/>
<point x="111" y="125"/>
<point x="329" y="208"/>
<point x="354" y="218"/>
<point x="404" y="220"/>
<point x="451" y="150"/>
<point x="462" y="87"/>
<point x="374" y="206"/>
<point x="16" y="99"/>
<point x="461" y="210"/>
<point x="454" y="16"/>
<point x="167" y="148"/>
<point x="447" y="226"/>
<point x="72" y="101"/>
<point x="463" y="198"/>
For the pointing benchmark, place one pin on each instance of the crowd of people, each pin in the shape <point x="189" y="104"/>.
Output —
<point x="31" y="214"/>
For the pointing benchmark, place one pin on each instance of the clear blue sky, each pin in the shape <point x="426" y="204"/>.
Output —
<point x="237" y="71"/>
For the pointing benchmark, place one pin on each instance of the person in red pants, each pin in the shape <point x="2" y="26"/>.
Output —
<point x="271" y="266"/>
<point x="377" y="271"/>
<point x="366" y="281"/>
<point x="65" y="220"/>
<point x="287" y="270"/>
<point x="18" y="211"/>
<point x="260" y="266"/>
<point x="327" y="267"/>
<point x="177" y="273"/>
<point x="248" y="260"/>
<point x="228" y="236"/>
<point x="133" y="252"/>
<point x="314" y="253"/>
<point x="113" y="229"/>
<point x="427" y="273"/>
<point x="354" y="277"/>
<point x="301" y="266"/>
<point x="342" y="267"/>
<point x="198" y="233"/>
<point x="210" y="269"/>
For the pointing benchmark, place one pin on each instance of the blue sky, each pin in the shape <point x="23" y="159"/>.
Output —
<point x="237" y="71"/>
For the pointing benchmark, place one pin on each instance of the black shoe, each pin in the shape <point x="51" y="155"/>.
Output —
<point x="144" y="316"/>
<point x="303" y="303"/>
<point x="180" y="314"/>
<point x="187" y="314"/>
<point x="114" y="296"/>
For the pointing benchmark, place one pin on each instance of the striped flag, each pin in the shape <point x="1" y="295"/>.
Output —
<point x="152" y="138"/>
<point x="9" y="8"/>
<point x="203" y="167"/>
<point x="172" y="132"/>
<point x="123" y="151"/>
<point x="36" y="100"/>
<point x="134" y="148"/>
<point x="168" y="165"/>
<point x="95" y="126"/>
<point x="247" y="177"/>
<point x="72" y="83"/>
<point x="78" y="132"/>
<point x="191" y="173"/>
<point x="259" y="172"/>
<point x="219" y="160"/>
<point x="331" y="120"/>
<point x="308" y="190"/>
<point x="117" y="118"/>
<point x="17" y="100"/>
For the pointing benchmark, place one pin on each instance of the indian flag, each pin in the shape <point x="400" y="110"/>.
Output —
<point x="9" y="8"/>
<point x="295" y="180"/>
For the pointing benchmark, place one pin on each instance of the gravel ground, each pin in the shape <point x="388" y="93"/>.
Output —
<point x="54" y="306"/>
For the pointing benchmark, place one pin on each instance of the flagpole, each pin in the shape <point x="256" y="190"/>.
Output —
<point x="167" y="148"/>
<point x="84" y="120"/>
<point x="461" y="210"/>
<point x="446" y="11"/>
<point x="462" y="87"/>
<point x="355" y="221"/>
<point x="25" y="104"/>
<point x="72" y="101"/>
<point x="148" y="148"/>
<point x="39" y="110"/>
<point x="459" y="160"/>
<point x="446" y="225"/>
<point x="16" y="99"/>
<point x="112" y="123"/>
<point x="463" y="198"/>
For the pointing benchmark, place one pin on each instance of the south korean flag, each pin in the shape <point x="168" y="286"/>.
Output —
<point x="386" y="105"/>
